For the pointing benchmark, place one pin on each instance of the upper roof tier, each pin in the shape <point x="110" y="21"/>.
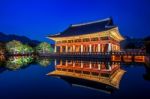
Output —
<point x="87" y="28"/>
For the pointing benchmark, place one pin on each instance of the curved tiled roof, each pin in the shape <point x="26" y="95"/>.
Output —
<point x="87" y="28"/>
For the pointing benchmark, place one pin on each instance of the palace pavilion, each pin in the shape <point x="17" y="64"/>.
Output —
<point x="97" y="36"/>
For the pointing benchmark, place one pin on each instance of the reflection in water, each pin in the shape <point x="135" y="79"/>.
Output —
<point x="147" y="74"/>
<point x="43" y="61"/>
<point x="2" y="59"/>
<point x="90" y="74"/>
<point x="14" y="63"/>
<point x="17" y="62"/>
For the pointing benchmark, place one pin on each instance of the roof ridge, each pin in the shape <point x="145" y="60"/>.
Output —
<point x="56" y="34"/>
<point x="86" y="23"/>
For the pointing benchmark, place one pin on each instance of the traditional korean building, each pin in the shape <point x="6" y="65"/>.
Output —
<point x="97" y="36"/>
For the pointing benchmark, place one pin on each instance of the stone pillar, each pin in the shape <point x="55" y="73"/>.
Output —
<point x="60" y="49"/>
<point x="90" y="48"/>
<point x="55" y="49"/>
<point x="73" y="50"/>
<point x="81" y="48"/>
<point x="99" y="48"/>
<point x="109" y="47"/>
<point x="66" y="48"/>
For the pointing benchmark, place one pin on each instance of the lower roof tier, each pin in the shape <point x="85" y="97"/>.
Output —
<point x="113" y="33"/>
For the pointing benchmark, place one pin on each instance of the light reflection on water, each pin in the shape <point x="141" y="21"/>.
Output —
<point x="17" y="62"/>
<point x="103" y="76"/>
<point x="99" y="72"/>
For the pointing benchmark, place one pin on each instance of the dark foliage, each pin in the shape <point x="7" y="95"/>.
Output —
<point x="147" y="44"/>
<point x="6" y="38"/>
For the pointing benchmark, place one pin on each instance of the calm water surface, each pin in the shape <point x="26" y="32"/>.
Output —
<point x="25" y="78"/>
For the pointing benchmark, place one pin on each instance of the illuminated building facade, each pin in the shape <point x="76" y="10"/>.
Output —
<point x="98" y="36"/>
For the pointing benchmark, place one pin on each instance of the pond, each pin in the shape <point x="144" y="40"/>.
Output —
<point x="48" y="78"/>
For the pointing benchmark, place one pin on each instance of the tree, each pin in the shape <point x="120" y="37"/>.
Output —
<point x="27" y="49"/>
<point x="44" y="48"/>
<point x="147" y="44"/>
<point x="14" y="47"/>
<point x="43" y="62"/>
<point x="2" y="49"/>
<point x="130" y="46"/>
<point x="14" y="63"/>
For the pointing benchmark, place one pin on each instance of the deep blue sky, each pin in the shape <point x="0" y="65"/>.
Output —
<point x="38" y="18"/>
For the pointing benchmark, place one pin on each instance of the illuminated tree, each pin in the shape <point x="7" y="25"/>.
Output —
<point x="43" y="62"/>
<point x="2" y="49"/>
<point x="14" y="47"/>
<point x="27" y="49"/>
<point x="15" y="63"/>
<point x="44" y="48"/>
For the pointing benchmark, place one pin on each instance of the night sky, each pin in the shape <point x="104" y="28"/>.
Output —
<point x="38" y="18"/>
